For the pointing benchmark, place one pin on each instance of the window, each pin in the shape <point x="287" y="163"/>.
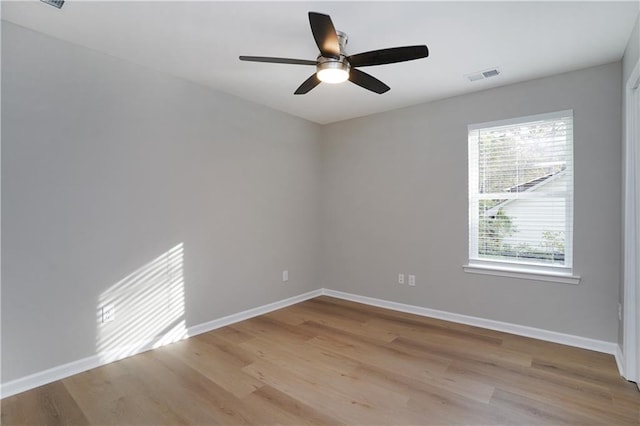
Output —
<point x="521" y="196"/>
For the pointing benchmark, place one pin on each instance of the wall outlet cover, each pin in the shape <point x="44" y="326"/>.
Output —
<point x="108" y="313"/>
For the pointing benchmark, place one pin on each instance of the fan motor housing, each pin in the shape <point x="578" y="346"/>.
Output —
<point x="342" y="41"/>
<point x="332" y="63"/>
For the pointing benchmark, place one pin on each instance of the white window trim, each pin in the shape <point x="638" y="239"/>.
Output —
<point x="520" y="269"/>
<point x="516" y="120"/>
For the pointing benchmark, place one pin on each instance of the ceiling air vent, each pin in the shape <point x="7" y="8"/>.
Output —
<point x="490" y="73"/>
<point x="480" y="75"/>
<point x="54" y="3"/>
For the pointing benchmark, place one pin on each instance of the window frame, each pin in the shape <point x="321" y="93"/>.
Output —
<point x="518" y="268"/>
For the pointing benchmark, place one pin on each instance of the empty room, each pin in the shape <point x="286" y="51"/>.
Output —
<point x="353" y="213"/>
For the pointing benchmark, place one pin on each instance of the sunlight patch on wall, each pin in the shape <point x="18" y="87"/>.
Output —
<point x="144" y="310"/>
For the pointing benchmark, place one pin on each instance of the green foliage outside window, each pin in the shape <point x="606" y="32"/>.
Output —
<point x="493" y="230"/>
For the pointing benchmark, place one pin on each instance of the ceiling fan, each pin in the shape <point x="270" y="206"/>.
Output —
<point x="334" y="66"/>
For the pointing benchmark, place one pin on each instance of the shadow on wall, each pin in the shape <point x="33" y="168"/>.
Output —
<point x="145" y="310"/>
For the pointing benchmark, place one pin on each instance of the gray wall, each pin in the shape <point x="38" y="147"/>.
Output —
<point x="107" y="165"/>
<point x="395" y="200"/>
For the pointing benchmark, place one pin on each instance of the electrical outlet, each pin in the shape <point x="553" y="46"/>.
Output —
<point x="412" y="280"/>
<point x="108" y="313"/>
<point x="619" y="312"/>
<point x="285" y="276"/>
<point x="400" y="278"/>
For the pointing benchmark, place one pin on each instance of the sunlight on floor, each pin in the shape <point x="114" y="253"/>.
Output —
<point x="148" y="308"/>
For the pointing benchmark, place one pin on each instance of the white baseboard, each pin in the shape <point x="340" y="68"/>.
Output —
<point x="66" y="370"/>
<point x="620" y="361"/>
<point x="250" y="313"/>
<point x="63" y="371"/>
<point x="50" y="375"/>
<point x="521" y="330"/>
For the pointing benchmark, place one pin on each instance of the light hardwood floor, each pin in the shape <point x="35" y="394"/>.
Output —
<point x="329" y="361"/>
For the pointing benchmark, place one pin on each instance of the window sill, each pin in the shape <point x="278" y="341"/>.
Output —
<point x="523" y="273"/>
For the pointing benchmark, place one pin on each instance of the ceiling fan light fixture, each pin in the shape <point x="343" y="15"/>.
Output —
<point x="332" y="71"/>
<point x="333" y="75"/>
<point x="334" y="66"/>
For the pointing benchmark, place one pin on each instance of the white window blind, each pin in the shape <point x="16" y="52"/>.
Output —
<point x="521" y="192"/>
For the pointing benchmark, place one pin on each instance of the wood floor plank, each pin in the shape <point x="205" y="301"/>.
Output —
<point x="230" y="334"/>
<point x="305" y="355"/>
<point x="515" y="378"/>
<point x="327" y="305"/>
<point x="560" y="353"/>
<point x="432" y="401"/>
<point x="415" y="365"/>
<point x="275" y="330"/>
<point x="112" y="395"/>
<point x="157" y="392"/>
<point x="225" y="372"/>
<point x="381" y="356"/>
<point x="330" y="373"/>
<point x="327" y="317"/>
<point x="331" y="362"/>
<point x="586" y="372"/>
<point x="287" y="410"/>
<point x="234" y="350"/>
<point x="47" y="405"/>
<point x="223" y="406"/>
<point x="346" y="405"/>
<point x="420" y="330"/>
<point x="453" y="350"/>
<point x="537" y="413"/>
<point x="570" y="394"/>
<point x="625" y="402"/>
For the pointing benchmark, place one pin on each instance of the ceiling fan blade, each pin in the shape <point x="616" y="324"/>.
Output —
<point x="308" y="84"/>
<point x="277" y="60"/>
<point x="388" y="56"/>
<point x="325" y="34"/>
<point x="367" y="81"/>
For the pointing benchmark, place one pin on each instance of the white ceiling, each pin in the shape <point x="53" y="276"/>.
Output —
<point x="201" y="42"/>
